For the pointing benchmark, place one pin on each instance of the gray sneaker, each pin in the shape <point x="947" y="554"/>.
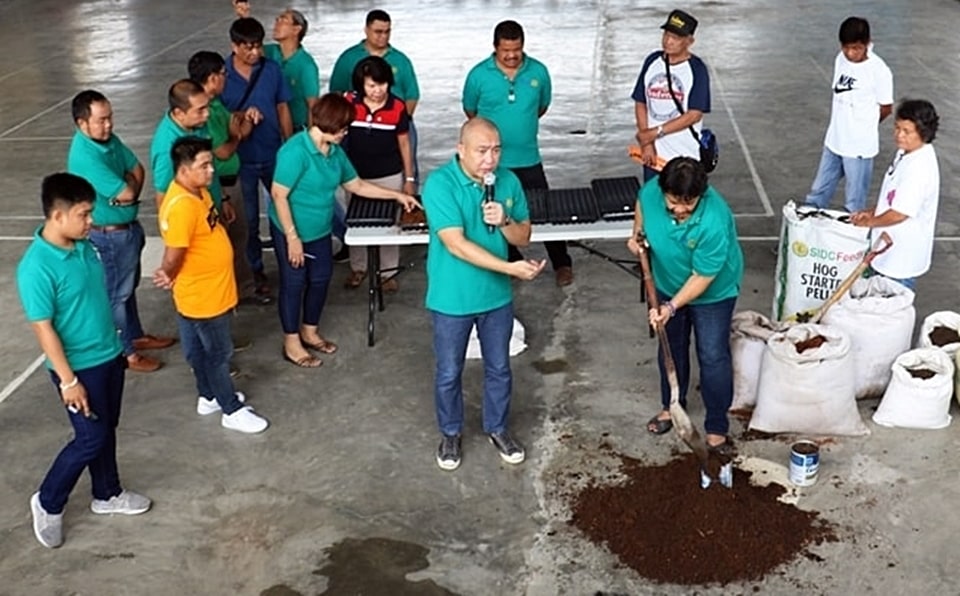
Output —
<point x="46" y="527"/>
<point x="448" y="454"/>
<point x="126" y="503"/>
<point x="510" y="451"/>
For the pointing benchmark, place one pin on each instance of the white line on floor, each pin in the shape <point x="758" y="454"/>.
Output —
<point x="823" y="73"/>
<point x="764" y="199"/>
<point x="15" y="384"/>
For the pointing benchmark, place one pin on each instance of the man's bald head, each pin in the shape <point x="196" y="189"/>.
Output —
<point x="479" y="147"/>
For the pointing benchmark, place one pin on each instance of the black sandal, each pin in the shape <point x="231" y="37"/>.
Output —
<point x="657" y="426"/>
<point x="725" y="449"/>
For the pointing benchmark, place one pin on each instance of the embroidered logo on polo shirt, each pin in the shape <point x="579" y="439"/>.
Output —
<point x="534" y="83"/>
<point x="509" y="203"/>
<point x="692" y="243"/>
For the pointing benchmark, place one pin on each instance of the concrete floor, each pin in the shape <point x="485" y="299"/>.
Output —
<point x="346" y="472"/>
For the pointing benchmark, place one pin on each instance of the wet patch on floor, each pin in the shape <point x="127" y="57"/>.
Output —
<point x="551" y="367"/>
<point x="376" y="566"/>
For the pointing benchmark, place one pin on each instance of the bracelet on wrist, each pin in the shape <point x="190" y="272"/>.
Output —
<point x="410" y="179"/>
<point x="291" y="231"/>
<point x="672" y="308"/>
<point x="71" y="384"/>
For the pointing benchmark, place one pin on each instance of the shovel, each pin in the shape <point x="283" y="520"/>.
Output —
<point x="681" y="421"/>
<point x="883" y="243"/>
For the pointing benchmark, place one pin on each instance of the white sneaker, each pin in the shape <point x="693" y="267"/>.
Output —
<point x="47" y="528"/>
<point x="126" y="503"/>
<point x="245" y="421"/>
<point x="210" y="406"/>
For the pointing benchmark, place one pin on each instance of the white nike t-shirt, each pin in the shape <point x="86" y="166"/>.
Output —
<point x="911" y="185"/>
<point x="859" y="89"/>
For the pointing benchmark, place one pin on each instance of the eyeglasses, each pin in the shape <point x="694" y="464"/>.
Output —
<point x="250" y="46"/>
<point x="213" y="217"/>
<point x="511" y="94"/>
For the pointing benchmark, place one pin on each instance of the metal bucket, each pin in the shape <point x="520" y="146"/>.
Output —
<point x="804" y="463"/>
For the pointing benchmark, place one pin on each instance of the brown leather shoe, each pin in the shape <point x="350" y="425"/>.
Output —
<point x="142" y="363"/>
<point x="390" y="286"/>
<point x="355" y="279"/>
<point x="153" y="342"/>
<point x="564" y="276"/>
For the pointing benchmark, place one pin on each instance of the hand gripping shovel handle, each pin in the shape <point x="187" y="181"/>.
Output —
<point x="883" y="243"/>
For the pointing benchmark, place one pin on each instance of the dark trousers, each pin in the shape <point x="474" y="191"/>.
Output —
<point x="303" y="290"/>
<point x="94" y="444"/>
<point x="534" y="177"/>
<point x="251" y="176"/>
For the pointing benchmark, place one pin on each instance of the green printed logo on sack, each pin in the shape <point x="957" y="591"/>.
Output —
<point x="825" y="254"/>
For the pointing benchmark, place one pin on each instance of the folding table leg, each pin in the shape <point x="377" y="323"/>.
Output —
<point x="373" y="265"/>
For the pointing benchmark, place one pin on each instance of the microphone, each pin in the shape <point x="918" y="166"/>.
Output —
<point x="489" y="179"/>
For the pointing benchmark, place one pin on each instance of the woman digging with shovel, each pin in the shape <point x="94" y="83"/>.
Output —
<point x="689" y="232"/>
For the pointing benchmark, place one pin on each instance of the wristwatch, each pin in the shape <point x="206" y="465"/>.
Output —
<point x="660" y="132"/>
<point x="506" y="221"/>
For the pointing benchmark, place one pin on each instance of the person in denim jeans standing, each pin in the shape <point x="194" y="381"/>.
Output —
<point x="198" y="267"/>
<point x="60" y="282"/>
<point x="468" y="282"/>
<point x="697" y="265"/>
<point x="103" y="160"/>
<point x="310" y="168"/>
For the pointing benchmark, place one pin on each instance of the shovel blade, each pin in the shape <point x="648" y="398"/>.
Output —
<point x="688" y="433"/>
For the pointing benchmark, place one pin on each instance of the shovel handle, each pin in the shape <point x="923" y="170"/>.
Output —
<point x="883" y="243"/>
<point x="654" y="302"/>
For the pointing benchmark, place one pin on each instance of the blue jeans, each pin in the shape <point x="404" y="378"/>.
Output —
<point x="94" y="444"/>
<point x="339" y="221"/>
<point x="251" y="174"/>
<point x="907" y="282"/>
<point x="119" y="251"/>
<point x="414" y="138"/>
<point x="710" y="324"/>
<point x="303" y="290"/>
<point x="450" y="337"/>
<point x="856" y="170"/>
<point x="207" y="346"/>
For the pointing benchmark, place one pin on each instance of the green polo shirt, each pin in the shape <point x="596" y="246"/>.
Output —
<point x="302" y="75"/>
<point x="161" y="165"/>
<point x="67" y="288"/>
<point x="312" y="178"/>
<point x="706" y="244"/>
<point x="452" y="200"/>
<point x="218" y="124"/>
<point x="404" y="79"/>
<point x="514" y="106"/>
<point x="103" y="165"/>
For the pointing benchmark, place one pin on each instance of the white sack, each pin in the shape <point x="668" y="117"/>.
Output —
<point x="911" y="402"/>
<point x="943" y="318"/>
<point x="809" y="392"/>
<point x="879" y="316"/>
<point x="749" y="332"/>
<point x="517" y="339"/>
<point x="816" y="253"/>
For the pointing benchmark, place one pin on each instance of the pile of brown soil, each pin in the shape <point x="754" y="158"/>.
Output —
<point x="941" y="336"/>
<point x="921" y="373"/>
<point x="810" y="343"/>
<point x="661" y="524"/>
<point x="413" y="219"/>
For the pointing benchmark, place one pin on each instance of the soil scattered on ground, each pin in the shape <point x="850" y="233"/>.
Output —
<point x="921" y="373"/>
<point x="942" y="336"/>
<point x="660" y="523"/>
<point x="810" y="343"/>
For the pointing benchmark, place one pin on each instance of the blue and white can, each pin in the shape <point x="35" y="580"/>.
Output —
<point x="804" y="463"/>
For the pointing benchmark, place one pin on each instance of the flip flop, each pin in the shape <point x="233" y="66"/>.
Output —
<point x="324" y="347"/>
<point x="305" y="362"/>
<point x="657" y="426"/>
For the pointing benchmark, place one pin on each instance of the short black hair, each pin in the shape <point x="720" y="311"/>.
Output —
<point x="509" y="30"/>
<point x="374" y="67"/>
<point x="203" y="65"/>
<point x="854" y="30"/>
<point x="180" y="93"/>
<point x="82" y="102"/>
<point x="185" y="150"/>
<point x="64" y="190"/>
<point x="246" y="30"/>
<point x="683" y="178"/>
<point x="377" y="15"/>
<point x="923" y="115"/>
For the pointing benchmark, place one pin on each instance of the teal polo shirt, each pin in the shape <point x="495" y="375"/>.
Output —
<point x="161" y="165"/>
<point x="312" y="178"/>
<point x="67" y="288"/>
<point x="303" y="77"/>
<point x="218" y="124"/>
<point x="404" y="78"/>
<point x="488" y="91"/>
<point x="103" y="165"/>
<point x="452" y="200"/>
<point x="706" y="244"/>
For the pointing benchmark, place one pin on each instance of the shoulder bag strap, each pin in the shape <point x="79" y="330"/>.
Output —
<point x="253" y="83"/>
<point x="674" y="97"/>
